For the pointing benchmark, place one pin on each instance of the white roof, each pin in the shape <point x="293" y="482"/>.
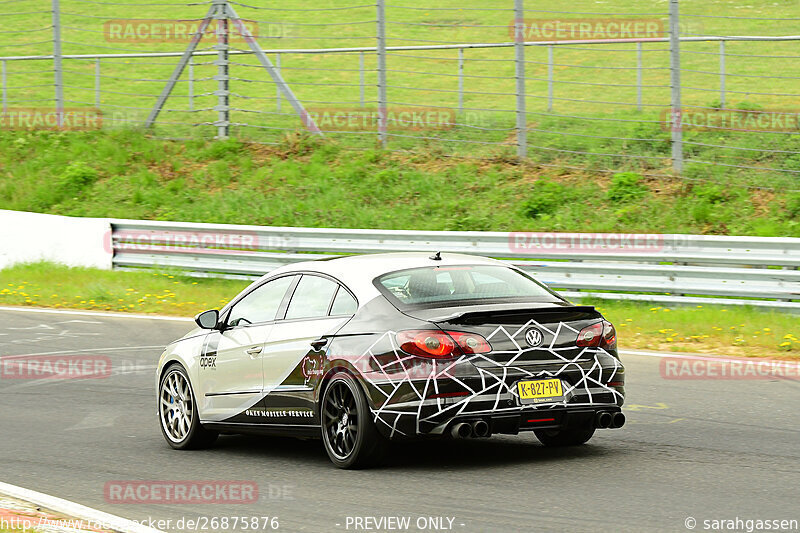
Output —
<point x="358" y="271"/>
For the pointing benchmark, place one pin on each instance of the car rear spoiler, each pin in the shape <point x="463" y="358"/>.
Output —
<point x="466" y="315"/>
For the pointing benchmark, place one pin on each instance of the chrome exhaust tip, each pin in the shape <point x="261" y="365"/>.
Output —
<point x="480" y="428"/>
<point x="461" y="430"/>
<point x="603" y="419"/>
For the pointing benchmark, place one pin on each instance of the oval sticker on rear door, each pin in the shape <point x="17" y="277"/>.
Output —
<point x="534" y="337"/>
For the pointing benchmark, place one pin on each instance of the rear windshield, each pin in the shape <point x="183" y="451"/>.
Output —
<point x="464" y="285"/>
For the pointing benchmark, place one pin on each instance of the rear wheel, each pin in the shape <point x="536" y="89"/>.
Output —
<point x="569" y="436"/>
<point x="177" y="412"/>
<point x="348" y="431"/>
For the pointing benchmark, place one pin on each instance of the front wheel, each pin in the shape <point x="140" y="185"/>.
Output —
<point x="348" y="431"/>
<point x="177" y="412"/>
<point x="569" y="436"/>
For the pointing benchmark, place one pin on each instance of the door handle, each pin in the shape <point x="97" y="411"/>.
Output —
<point x="319" y="343"/>
<point x="255" y="350"/>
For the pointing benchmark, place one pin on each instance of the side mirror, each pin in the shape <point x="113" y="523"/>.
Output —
<point x="208" y="319"/>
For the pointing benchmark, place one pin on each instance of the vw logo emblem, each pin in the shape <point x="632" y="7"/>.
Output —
<point x="534" y="337"/>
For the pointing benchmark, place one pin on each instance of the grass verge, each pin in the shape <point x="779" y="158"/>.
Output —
<point x="704" y="329"/>
<point x="304" y="182"/>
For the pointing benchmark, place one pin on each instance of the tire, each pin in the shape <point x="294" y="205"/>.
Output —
<point x="177" y="412"/>
<point x="569" y="436"/>
<point x="349" y="444"/>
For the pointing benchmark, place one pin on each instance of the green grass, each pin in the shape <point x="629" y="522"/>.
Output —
<point x="169" y="293"/>
<point x="125" y="174"/>
<point x="427" y="78"/>
<point x="705" y="329"/>
<point x="731" y="330"/>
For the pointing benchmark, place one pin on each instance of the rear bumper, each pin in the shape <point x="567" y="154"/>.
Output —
<point x="513" y="424"/>
<point x="480" y="389"/>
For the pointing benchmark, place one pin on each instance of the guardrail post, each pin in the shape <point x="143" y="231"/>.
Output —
<point x="519" y="61"/>
<point x="223" y="80"/>
<point x="460" y="80"/>
<point x="675" y="70"/>
<point x="639" y="76"/>
<point x="57" y="67"/>
<point x="722" y="73"/>
<point x="383" y="104"/>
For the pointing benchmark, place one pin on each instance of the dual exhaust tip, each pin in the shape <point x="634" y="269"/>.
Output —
<point x="609" y="420"/>
<point x="465" y="430"/>
<point x="480" y="428"/>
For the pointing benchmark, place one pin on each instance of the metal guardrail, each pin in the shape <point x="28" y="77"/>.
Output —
<point x="671" y="269"/>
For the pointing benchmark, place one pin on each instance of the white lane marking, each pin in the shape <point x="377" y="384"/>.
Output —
<point x="104" y="314"/>
<point x="701" y="357"/>
<point x="59" y="505"/>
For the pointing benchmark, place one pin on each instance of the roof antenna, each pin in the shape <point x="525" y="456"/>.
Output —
<point x="436" y="257"/>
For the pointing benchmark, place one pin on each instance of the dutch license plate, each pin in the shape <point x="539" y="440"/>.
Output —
<point x="540" y="391"/>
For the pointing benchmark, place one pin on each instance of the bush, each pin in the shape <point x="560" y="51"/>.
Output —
<point x="626" y="186"/>
<point x="547" y="196"/>
<point x="78" y="175"/>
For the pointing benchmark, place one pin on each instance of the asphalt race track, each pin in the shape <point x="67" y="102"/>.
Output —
<point x="705" y="449"/>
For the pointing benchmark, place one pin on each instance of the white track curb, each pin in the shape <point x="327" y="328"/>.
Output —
<point x="76" y="510"/>
<point x="106" y="314"/>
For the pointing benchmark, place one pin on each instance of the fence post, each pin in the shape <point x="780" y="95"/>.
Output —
<point x="639" y="76"/>
<point x="97" y="83"/>
<point x="675" y="69"/>
<point x="519" y="49"/>
<point x="550" y="77"/>
<point x="460" y="80"/>
<point x="382" y="98"/>
<point x="4" y="75"/>
<point x="191" y="84"/>
<point x="223" y="80"/>
<point x="57" y="68"/>
<point x="278" y="89"/>
<point x="361" y="78"/>
<point x="722" y="73"/>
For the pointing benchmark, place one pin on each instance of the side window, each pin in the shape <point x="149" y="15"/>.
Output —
<point x="343" y="303"/>
<point x="262" y="304"/>
<point x="311" y="298"/>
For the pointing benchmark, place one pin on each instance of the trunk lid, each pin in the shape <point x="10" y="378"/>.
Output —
<point x="520" y="334"/>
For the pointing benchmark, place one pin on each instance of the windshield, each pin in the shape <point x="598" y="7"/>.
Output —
<point x="467" y="285"/>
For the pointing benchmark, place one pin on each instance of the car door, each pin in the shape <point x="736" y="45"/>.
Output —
<point x="230" y="366"/>
<point x="318" y="306"/>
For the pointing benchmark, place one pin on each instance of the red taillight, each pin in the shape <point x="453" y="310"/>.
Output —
<point x="440" y="344"/>
<point x="428" y="343"/>
<point x="591" y="335"/>
<point x="470" y="343"/>
<point x="601" y="334"/>
<point x="609" y="335"/>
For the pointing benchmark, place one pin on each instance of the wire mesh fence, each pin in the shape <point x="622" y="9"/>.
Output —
<point x="694" y="91"/>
